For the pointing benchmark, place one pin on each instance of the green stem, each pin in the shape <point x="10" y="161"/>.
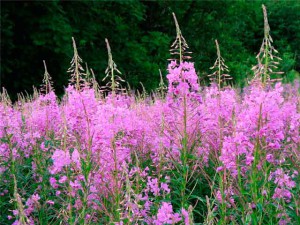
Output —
<point x="254" y="174"/>
<point x="184" y="155"/>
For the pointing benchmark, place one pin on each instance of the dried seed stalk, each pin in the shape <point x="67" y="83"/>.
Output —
<point x="76" y="70"/>
<point x="220" y="76"/>
<point x="47" y="85"/>
<point x="179" y="46"/>
<point x="114" y="80"/>
<point x="266" y="58"/>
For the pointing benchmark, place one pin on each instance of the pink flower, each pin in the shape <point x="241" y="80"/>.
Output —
<point x="282" y="179"/>
<point x="35" y="198"/>
<point x="63" y="179"/>
<point x="166" y="215"/>
<point x="165" y="187"/>
<point x="60" y="159"/>
<point x="76" y="158"/>
<point x="16" y="222"/>
<point x="182" y="78"/>
<point x="15" y="212"/>
<point x="282" y="193"/>
<point x="53" y="182"/>
<point x="186" y="217"/>
<point x="50" y="202"/>
<point x="75" y="184"/>
<point x="153" y="185"/>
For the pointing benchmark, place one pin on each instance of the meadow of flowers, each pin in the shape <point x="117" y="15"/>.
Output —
<point x="184" y="154"/>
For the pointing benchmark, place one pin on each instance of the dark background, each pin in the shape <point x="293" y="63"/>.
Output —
<point x="140" y="34"/>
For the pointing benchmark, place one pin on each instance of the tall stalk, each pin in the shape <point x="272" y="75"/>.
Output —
<point x="220" y="75"/>
<point x="23" y="220"/>
<point x="76" y="70"/>
<point x="266" y="58"/>
<point x="114" y="79"/>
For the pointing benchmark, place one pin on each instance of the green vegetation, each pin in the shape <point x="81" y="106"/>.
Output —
<point x="141" y="34"/>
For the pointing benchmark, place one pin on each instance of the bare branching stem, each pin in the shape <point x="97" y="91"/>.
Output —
<point x="220" y="75"/>
<point x="76" y="64"/>
<point x="178" y="37"/>
<point x="113" y="84"/>
<point x="219" y="63"/>
<point x="76" y="69"/>
<point x="47" y="85"/>
<point x="179" y="46"/>
<point x="111" y="66"/>
<point x="266" y="58"/>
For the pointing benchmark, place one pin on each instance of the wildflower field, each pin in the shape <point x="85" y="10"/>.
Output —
<point x="183" y="154"/>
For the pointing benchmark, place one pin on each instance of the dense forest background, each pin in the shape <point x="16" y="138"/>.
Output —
<point x="140" y="35"/>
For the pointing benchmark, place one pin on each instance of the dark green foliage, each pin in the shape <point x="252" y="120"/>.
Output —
<point x="140" y="34"/>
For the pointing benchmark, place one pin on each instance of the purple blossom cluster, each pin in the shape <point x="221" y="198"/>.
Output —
<point x="96" y="148"/>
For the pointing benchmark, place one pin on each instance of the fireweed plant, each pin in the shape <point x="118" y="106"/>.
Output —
<point x="185" y="154"/>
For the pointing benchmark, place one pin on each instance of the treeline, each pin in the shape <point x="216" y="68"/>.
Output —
<point x="140" y="34"/>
